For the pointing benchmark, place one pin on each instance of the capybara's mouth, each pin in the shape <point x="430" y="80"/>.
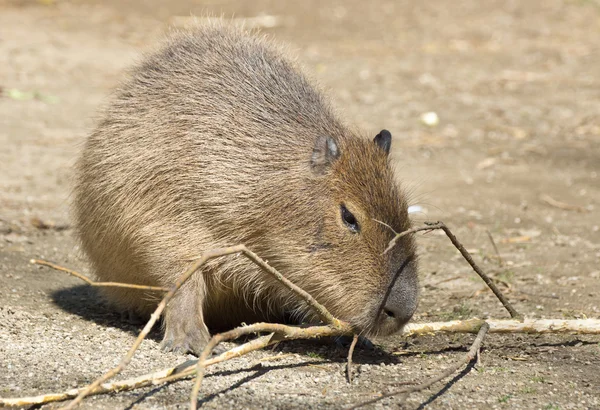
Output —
<point x="383" y="325"/>
<point x="387" y="326"/>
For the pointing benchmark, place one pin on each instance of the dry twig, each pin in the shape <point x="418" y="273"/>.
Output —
<point x="277" y="332"/>
<point x="440" y="225"/>
<point x="473" y="351"/>
<point x="211" y="254"/>
<point x="500" y="260"/>
<point x="282" y="332"/>
<point x="93" y="283"/>
<point x="529" y="326"/>
<point x="350" y="353"/>
<point x="547" y="199"/>
<point x="151" y="379"/>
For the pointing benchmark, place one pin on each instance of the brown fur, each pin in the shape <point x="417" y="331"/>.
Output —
<point x="218" y="139"/>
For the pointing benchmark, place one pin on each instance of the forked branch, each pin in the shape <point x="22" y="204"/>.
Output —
<point x="187" y="369"/>
<point x="332" y="327"/>
<point x="473" y="351"/>
<point x="211" y="254"/>
<point x="281" y="332"/>
<point x="430" y="226"/>
<point x="94" y="283"/>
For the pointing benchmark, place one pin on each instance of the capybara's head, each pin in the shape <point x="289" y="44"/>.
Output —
<point x="355" y="208"/>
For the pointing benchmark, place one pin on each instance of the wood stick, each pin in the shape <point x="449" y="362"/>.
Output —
<point x="513" y="313"/>
<point x="282" y="332"/>
<point x="211" y="254"/>
<point x="312" y="302"/>
<point x="440" y="225"/>
<point x="350" y="353"/>
<point x="150" y="379"/>
<point x="153" y="319"/>
<point x="94" y="283"/>
<point x="529" y="326"/>
<point x="445" y="374"/>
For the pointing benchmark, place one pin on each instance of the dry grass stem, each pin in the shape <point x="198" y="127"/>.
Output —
<point x="93" y="283"/>
<point x="500" y="260"/>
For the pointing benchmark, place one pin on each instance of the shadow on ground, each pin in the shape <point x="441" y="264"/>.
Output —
<point x="86" y="302"/>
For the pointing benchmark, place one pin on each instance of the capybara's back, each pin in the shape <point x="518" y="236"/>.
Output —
<point x="218" y="139"/>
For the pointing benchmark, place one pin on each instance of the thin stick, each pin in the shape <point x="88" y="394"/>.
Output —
<point x="323" y="313"/>
<point x="211" y="254"/>
<point x="513" y="313"/>
<point x="129" y="384"/>
<point x="282" y="332"/>
<point x="528" y="326"/>
<point x="561" y="205"/>
<point x="350" y="353"/>
<point x="154" y="378"/>
<point x="445" y="374"/>
<point x="429" y="227"/>
<point x="93" y="283"/>
<point x="190" y="368"/>
<point x="440" y="225"/>
<point x="153" y="318"/>
<point x="489" y="234"/>
<point x="312" y="302"/>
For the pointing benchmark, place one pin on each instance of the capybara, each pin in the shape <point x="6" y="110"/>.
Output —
<point x="217" y="139"/>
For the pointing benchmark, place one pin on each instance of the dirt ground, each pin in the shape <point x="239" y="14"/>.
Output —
<point x="516" y="88"/>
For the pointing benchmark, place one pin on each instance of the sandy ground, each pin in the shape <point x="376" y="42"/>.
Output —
<point x="516" y="87"/>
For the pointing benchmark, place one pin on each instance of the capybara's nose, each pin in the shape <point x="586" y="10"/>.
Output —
<point x="402" y="299"/>
<point x="400" y="313"/>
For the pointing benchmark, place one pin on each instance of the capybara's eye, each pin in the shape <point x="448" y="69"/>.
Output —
<point x="349" y="220"/>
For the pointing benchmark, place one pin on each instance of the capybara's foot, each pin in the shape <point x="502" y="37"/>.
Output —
<point x="185" y="331"/>
<point x="180" y="341"/>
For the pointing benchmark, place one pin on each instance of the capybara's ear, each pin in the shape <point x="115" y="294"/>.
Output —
<point x="384" y="140"/>
<point x="325" y="152"/>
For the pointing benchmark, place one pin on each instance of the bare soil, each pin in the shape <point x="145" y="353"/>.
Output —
<point x="516" y="87"/>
